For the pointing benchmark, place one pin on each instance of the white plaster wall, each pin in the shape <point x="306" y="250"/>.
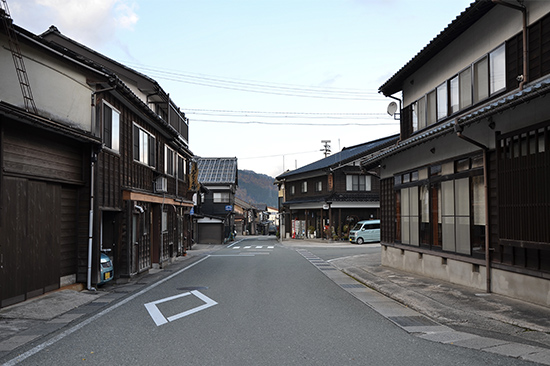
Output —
<point x="482" y="37"/>
<point x="60" y="92"/>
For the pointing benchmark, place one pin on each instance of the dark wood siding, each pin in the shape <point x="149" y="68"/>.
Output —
<point x="39" y="154"/>
<point x="30" y="239"/>
<point x="387" y="211"/>
<point x="523" y="178"/>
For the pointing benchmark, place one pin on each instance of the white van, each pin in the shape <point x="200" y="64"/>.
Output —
<point x="365" y="231"/>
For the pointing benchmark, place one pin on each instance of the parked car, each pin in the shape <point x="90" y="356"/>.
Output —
<point x="365" y="231"/>
<point x="272" y="229"/>
<point x="107" y="270"/>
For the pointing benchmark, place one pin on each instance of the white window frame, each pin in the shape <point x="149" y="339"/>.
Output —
<point x="169" y="161"/>
<point x="304" y="187"/>
<point x="354" y="183"/>
<point x="146" y="145"/>
<point x="114" y="124"/>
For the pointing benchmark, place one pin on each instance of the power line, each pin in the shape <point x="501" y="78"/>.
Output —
<point x="278" y="155"/>
<point x="263" y="87"/>
<point x="390" y="122"/>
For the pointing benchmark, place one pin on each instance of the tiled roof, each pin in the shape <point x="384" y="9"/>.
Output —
<point x="346" y="155"/>
<point x="217" y="170"/>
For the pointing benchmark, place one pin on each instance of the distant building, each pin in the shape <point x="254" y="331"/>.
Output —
<point x="219" y="176"/>
<point x="323" y="199"/>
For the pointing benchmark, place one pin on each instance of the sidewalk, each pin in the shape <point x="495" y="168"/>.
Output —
<point x="468" y="318"/>
<point x="488" y="322"/>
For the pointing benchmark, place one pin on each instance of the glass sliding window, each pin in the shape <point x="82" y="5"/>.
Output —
<point x="424" y="197"/>
<point x="465" y="86"/>
<point x="169" y="160"/>
<point x="111" y="127"/>
<point x="497" y="68"/>
<point x="442" y="101"/>
<point x="431" y="107"/>
<point x="414" y="119"/>
<point x="481" y="79"/>
<point x="421" y="112"/>
<point x="453" y="95"/>
<point x="144" y="146"/>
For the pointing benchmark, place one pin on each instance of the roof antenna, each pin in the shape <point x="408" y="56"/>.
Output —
<point x="326" y="147"/>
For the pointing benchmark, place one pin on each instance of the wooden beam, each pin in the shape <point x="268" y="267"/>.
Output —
<point x="146" y="197"/>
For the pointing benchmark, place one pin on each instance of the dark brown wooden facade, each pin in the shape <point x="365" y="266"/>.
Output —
<point x="332" y="194"/>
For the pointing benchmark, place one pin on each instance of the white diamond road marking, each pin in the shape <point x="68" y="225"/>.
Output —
<point x="160" y="319"/>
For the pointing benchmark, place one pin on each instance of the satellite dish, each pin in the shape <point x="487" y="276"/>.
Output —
<point x="392" y="108"/>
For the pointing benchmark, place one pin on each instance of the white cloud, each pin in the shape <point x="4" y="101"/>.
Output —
<point x="91" y="22"/>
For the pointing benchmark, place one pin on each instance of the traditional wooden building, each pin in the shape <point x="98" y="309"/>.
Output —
<point x="324" y="198"/>
<point x="142" y="194"/>
<point x="92" y="160"/>
<point x="219" y="177"/>
<point x="464" y="194"/>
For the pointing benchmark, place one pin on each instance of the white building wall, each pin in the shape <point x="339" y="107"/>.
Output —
<point x="480" y="39"/>
<point x="59" y="92"/>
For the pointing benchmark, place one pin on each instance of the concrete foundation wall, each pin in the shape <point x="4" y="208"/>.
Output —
<point x="514" y="285"/>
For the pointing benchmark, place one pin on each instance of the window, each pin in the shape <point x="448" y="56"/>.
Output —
<point x="481" y="80"/>
<point x="304" y="187"/>
<point x="292" y="190"/>
<point x="358" y="183"/>
<point x="454" y="95"/>
<point x="111" y="127"/>
<point x="182" y="167"/>
<point x="497" y="68"/>
<point x="221" y="197"/>
<point x="465" y="86"/>
<point x="441" y="101"/>
<point x="319" y="186"/>
<point x="169" y="160"/>
<point x="431" y="108"/>
<point x="474" y="84"/>
<point x="144" y="146"/>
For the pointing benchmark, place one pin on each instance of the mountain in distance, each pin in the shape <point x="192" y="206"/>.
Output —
<point x="257" y="188"/>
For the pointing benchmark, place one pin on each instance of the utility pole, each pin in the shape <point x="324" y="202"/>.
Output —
<point x="326" y="147"/>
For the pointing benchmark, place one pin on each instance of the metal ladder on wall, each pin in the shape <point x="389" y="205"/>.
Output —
<point x="30" y="106"/>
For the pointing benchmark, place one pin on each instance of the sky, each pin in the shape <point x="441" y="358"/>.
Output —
<point x="265" y="81"/>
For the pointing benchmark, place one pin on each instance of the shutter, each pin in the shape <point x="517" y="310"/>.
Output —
<point x="107" y="125"/>
<point x="136" y="142"/>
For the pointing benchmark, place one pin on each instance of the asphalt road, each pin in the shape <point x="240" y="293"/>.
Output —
<point x="254" y="303"/>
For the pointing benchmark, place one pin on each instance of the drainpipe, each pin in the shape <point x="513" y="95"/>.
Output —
<point x="93" y="160"/>
<point x="523" y="78"/>
<point x="91" y="222"/>
<point x="485" y="149"/>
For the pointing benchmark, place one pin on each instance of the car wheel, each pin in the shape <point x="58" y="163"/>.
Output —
<point x="359" y="240"/>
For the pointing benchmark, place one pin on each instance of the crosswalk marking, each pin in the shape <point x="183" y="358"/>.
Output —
<point x="257" y="247"/>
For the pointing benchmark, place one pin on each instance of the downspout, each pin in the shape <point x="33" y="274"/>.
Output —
<point x="400" y="129"/>
<point x="523" y="78"/>
<point x="485" y="149"/>
<point x="91" y="222"/>
<point x="93" y="160"/>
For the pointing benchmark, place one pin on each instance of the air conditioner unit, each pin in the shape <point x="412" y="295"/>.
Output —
<point x="161" y="185"/>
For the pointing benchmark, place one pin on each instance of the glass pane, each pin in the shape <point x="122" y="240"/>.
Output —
<point x="462" y="165"/>
<point x="448" y="204"/>
<point x="478" y="200"/>
<point x="421" y="113"/>
<point x="414" y="108"/>
<point x="498" y="69"/>
<point x="424" y="204"/>
<point x="463" y="235"/>
<point x="481" y="80"/>
<point x="115" y="130"/>
<point x="442" y="101"/>
<point x="462" y="197"/>
<point x="465" y="81"/>
<point x="448" y="233"/>
<point x="431" y="108"/>
<point x="454" y="94"/>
